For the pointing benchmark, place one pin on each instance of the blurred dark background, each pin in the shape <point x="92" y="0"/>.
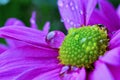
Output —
<point x="46" y="11"/>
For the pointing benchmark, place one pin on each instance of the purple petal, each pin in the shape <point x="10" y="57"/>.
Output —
<point x="89" y="9"/>
<point x="115" y="70"/>
<point x="99" y="18"/>
<point x="20" y="63"/>
<point x="2" y="48"/>
<point x="112" y="57"/>
<point x="33" y="20"/>
<point x="11" y="22"/>
<point x="118" y="11"/>
<point x="106" y="16"/>
<point x="25" y="34"/>
<point x="55" y="39"/>
<point x="115" y="40"/>
<point x="14" y="21"/>
<point x="15" y="43"/>
<point x="76" y="13"/>
<point x="54" y="74"/>
<point x="101" y="72"/>
<point x="80" y="75"/>
<point x="108" y="10"/>
<point x="46" y="27"/>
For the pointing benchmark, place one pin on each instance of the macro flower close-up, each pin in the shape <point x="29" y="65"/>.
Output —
<point x="89" y="51"/>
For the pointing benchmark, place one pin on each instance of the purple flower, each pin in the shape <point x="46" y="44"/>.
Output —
<point x="15" y="22"/>
<point x="38" y="56"/>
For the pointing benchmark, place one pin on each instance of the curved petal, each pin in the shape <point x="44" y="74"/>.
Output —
<point x="76" y="13"/>
<point x="80" y="75"/>
<point x="112" y="57"/>
<point x="101" y="72"/>
<point x="108" y="10"/>
<point x="98" y="18"/>
<point x="115" y="70"/>
<point x="20" y="62"/>
<point x="53" y="74"/>
<point x="115" y="40"/>
<point x="46" y="27"/>
<point x="106" y="15"/>
<point x="13" y="21"/>
<point x="33" y="20"/>
<point x="55" y="39"/>
<point x="2" y="48"/>
<point x="25" y="34"/>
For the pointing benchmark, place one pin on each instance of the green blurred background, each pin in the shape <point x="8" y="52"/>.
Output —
<point x="47" y="10"/>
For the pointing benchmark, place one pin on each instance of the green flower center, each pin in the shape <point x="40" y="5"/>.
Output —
<point x="83" y="46"/>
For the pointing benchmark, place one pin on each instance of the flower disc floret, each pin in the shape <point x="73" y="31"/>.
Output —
<point x="83" y="46"/>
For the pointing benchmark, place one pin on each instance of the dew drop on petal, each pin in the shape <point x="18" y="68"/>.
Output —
<point x="81" y="12"/>
<point x="68" y="20"/>
<point x="66" y="5"/>
<point x="71" y="3"/>
<point x="76" y="7"/>
<point x="64" y="69"/>
<point x="50" y="35"/>
<point x="55" y="38"/>
<point x="71" y="23"/>
<point x="62" y="20"/>
<point x="73" y="8"/>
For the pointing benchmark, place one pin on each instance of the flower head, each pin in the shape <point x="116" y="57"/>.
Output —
<point x="46" y="56"/>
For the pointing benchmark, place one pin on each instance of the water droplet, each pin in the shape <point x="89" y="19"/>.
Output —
<point x="60" y="3"/>
<point x="73" y="8"/>
<point x="62" y="20"/>
<point x="74" y="68"/>
<point x="71" y="3"/>
<point x="66" y="6"/>
<point x="89" y="37"/>
<point x="68" y="20"/>
<point x="55" y="38"/>
<point x="64" y="69"/>
<point x="101" y="41"/>
<point x="81" y="12"/>
<point x="75" y="25"/>
<point x="83" y="40"/>
<point x="76" y="7"/>
<point x="50" y="35"/>
<point x="113" y="32"/>
<point x="78" y="25"/>
<point x="71" y="23"/>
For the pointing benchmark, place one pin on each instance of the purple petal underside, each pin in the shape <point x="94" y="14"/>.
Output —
<point x="115" y="40"/>
<point x="25" y="34"/>
<point x="101" y="72"/>
<point x="115" y="70"/>
<point x="76" y="13"/>
<point x="27" y="62"/>
<point x="112" y="57"/>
